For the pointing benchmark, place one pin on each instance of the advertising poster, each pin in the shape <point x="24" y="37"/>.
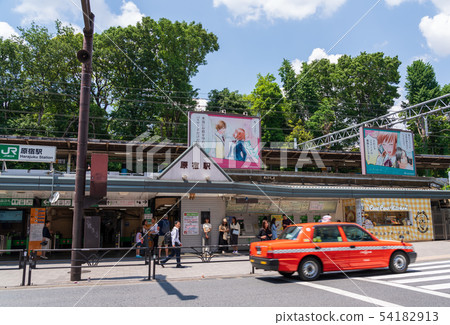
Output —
<point x="190" y="223"/>
<point x="389" y="152"/>
<point x="233" y="141"/>
<point x="37" y="221"/>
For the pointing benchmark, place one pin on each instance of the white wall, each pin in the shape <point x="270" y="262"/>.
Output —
<point x="216" y="206"/>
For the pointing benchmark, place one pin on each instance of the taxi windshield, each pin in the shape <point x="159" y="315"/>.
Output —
<point x="290" y="233"/>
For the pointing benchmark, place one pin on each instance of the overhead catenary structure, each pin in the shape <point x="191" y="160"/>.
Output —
<point x="433" y="106"/>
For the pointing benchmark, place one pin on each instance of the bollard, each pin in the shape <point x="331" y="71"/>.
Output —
<point x="149" y="268"/>
<point x="24" y="267"/>
<point x="30" y="263"/>
<point x="154" y="267"/>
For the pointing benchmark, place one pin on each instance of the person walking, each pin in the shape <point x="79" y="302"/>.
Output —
<point x="154" y="235"/>
<point x="176" y="244"/>
<point x="139" y="242"/>
<point x="223" y="235"/>
<point x="206" y="236"/>
<point x="46" y="238"/>
<point x="273" y="228"/>
<point x="264" y="232"/>
<point x="164" y="227"/>
<point x="145" y="233"/>
<point x="235" y="228"/>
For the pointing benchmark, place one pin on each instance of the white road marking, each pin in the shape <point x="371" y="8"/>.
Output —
<point x="408" y="274"/>
<point x="402" y="286"/>
<point x="424" y="279"/>
<point x="428" y="267"/>
<point x="439" y="286"/>
<point x="430" y="263"/>
<point x="349" y="294"/>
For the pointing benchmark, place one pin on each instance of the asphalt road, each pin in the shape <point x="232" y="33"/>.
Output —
<point x="424" y="285"/>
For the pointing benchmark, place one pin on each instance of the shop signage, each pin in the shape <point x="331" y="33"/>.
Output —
<point x="125" y="203"/>
<point x="190" y="223"/>
<point x="16" y="202"/>
<point x="387" y="207"/>
<point x="59" y="203"/>
<point x="27" y="153"/>
<point x="148" y="215"/>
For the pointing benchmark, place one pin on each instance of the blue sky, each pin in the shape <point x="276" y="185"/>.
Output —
<point x="256" y="35"/>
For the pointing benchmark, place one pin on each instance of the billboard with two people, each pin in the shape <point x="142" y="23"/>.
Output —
<point x="233" y="141"/>
<point x="387" y="151"/>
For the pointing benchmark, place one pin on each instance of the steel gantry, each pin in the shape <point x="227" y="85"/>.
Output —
<point x="433" y="106"/>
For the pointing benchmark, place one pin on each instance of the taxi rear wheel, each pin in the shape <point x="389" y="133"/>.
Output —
<point x="309" y="269"/>
<point x="286" y="274"/>
<point x="398" y="262"/>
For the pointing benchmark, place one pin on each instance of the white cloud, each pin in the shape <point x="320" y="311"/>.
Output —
<point x="318" y="54"/>
<point x="393" y="3"/>
<point x="47" y="11"/>
<point x="6" y="31"/>
<point x="436" y="30"/>
<point x="297" y="66"/>
<point x="249" y="10"/>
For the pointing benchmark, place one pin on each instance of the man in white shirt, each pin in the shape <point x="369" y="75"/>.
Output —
<point x="176" y="244"/>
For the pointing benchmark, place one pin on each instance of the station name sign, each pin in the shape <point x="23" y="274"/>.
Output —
<point x="27" y="153"/>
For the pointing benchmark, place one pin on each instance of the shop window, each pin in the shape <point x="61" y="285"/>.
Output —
<point x="390" y="218"/>
<point x="354" y="233"/>
<point x="326" y="234"/>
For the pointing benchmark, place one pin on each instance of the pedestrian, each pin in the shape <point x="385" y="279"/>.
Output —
<point x="139" y="242"/>
<point x="145" y="233"/>
<point x="154" y="235"/>
<point x="286" y="221"/>
<point x="206" y="236"/>
<point x="273" y="228"/>
<point x="235" y="228"/>
<point x="264" y="232"/>
<point x="223" y="235"/>
<point x="176" y="244"/>
<point x="46" y="238"/>
<point x="164" y="227"/>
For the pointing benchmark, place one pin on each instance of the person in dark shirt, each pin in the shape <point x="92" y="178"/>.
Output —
<point x="264" y="232"/>
<point x="46" y="237"/>
<point x="286" y="221"/>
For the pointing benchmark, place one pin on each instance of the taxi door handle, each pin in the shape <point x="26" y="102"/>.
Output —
<point x="317" y="247"/>
<point x="352" y="246"/>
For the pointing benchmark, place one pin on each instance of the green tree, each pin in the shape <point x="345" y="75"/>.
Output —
<point x="431" y="133"/>
<point x="267" y="101"/>
<point x="231" y="101"/>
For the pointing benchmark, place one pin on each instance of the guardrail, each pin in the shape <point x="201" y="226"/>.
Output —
<point x="96" y="257"/>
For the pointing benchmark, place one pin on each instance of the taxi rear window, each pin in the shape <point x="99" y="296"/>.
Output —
<point x="291" y="233"/>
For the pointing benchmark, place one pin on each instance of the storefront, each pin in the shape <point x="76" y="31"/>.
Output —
<point x="391" y="218"/>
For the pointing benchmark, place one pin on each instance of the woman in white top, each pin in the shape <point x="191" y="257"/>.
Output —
<point x="235" y="230"/>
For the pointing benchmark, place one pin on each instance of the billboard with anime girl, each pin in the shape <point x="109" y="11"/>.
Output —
<point x="233" y="141"/>
<point x="387" y="151"/>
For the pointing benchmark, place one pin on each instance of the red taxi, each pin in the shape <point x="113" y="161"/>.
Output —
<point x="313" y="248"/>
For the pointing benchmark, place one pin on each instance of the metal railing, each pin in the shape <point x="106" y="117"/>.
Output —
<point x="97" y="257"/>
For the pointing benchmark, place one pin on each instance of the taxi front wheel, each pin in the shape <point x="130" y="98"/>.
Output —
<point x="309" y="269"/>
<point x="398" y="262"/>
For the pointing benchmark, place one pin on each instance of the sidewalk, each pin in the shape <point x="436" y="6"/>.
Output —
<point x="221" y="266"/>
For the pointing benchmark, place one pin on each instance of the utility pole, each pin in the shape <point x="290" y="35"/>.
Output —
<point x="85" y="57"/>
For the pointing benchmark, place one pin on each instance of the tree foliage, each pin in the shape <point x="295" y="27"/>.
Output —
<point x="141" y="79"/>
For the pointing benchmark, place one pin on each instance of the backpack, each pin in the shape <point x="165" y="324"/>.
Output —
<point x="168" y="238"/>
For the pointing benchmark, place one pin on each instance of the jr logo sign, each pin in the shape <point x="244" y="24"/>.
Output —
<point x="8" y="152"/>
